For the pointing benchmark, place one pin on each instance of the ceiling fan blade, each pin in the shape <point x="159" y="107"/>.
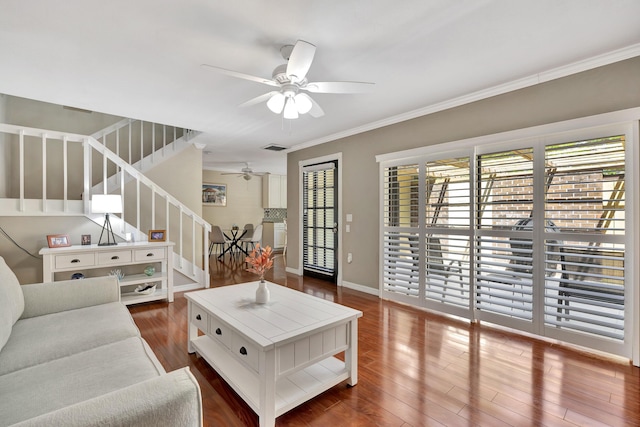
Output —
<point x="339" y="87"/>
<point x="300" y="60"/>
<point x="314" y="110"/>
<point x="240" y="75"/>
<point x="258" y="99"/>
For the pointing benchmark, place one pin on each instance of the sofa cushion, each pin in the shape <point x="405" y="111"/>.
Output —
<point x="39" y="389"/>
<point x="44" y="338"/>
<point x="11" y="301"/>
<point x="169" y="400"/>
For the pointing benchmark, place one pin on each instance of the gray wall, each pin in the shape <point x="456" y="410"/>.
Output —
<point x="605" y="89"/>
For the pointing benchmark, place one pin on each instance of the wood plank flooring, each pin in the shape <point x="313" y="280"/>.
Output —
<point x="417" y="369"/>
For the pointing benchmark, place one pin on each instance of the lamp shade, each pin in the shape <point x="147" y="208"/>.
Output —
<point x="276" y="103"/>
<point x="290" y="110"/>
<point x="106" y="203"/>
<point x="303" y="103"/>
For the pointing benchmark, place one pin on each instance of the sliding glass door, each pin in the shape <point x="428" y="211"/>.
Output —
<point x="529" y="235"/>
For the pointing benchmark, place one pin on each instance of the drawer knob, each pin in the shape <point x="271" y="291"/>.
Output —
<point x="243" y="351"/>
<point x="150" y="254"/>
<point x="73" y="261"/>
<point x="218" y="331"/>
<point x="198" y="317"/>
<point x="115" y="257"/>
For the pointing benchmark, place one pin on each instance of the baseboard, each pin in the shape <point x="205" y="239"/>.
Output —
<point x="294" y="271"/>
<point x="362" y="288"/>
<point x="187" y="287"/>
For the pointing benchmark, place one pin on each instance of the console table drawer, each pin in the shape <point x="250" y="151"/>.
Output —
<point x="200" y="318"/>
<point x="243" y="350"/>
<point x="220" y="331"/>
<point x="149" y="254"/>
<point x="114" y="257"/>
<point x="74" y="260"/>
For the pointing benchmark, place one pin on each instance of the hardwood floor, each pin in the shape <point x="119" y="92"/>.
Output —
<point x="418" y="369"/>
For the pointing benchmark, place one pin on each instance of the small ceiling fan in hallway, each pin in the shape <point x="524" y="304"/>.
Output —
<point x="290" y="80"/>
<point x="246" y="172"/>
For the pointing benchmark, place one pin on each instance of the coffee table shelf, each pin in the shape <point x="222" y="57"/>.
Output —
<point x="291" y="390"/>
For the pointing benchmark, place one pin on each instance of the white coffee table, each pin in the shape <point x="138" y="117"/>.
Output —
<point x="275" y="355"/>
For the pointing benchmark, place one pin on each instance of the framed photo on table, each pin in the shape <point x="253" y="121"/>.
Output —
<point x="157" y="235"/>
<point x="58" y="240"/>
<point x="214" y="194"/>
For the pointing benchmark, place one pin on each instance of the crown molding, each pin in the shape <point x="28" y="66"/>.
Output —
<point x="542" y="77"/>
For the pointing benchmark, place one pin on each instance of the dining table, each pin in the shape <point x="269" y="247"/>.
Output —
<point x="234" y="235"/>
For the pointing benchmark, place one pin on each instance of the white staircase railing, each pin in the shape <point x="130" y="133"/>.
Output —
<point x="141" y="149"/>
<point x="134" y="140"/>
<point x="49" y="183"/>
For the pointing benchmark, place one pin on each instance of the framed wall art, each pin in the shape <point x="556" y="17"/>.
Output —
<point x="214" y="194"/>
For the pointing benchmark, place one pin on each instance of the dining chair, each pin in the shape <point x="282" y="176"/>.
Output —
<point x="216" y="238"/>
<point x="256" y="237"/>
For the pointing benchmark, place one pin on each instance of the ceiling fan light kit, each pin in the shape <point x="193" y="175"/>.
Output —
<point x="291" y="79"/>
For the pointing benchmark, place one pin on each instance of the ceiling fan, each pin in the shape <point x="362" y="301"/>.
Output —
<point x="290" y="97"/>
<point x="246" y="172"/>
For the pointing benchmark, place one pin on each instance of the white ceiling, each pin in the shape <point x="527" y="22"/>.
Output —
<point x="142" y="59"/>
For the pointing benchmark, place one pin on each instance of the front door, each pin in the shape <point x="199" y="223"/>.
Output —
<point x="319" y="216"/>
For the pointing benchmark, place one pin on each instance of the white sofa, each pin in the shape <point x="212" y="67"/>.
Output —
<point x="70" y="354"/>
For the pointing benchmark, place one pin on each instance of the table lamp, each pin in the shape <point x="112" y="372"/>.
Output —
<point x="106" y="204"/>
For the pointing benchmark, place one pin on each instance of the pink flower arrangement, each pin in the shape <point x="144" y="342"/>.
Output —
<point x="260" y="260"/>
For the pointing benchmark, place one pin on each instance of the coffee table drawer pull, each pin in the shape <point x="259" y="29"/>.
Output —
<point x="198" y="317"/>
<point x="218" y="331"/>
<point x="243" y="351"/>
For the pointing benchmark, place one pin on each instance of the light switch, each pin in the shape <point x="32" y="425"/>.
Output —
<point x="348" y="228"/>
<point x="349" y="217"/>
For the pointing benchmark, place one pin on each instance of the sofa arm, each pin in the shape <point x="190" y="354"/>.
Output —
<point x="53" y="297"/>
<point x="170" y="400"/>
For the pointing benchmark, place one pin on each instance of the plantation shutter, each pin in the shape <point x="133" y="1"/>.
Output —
<point x="448" y="232"/>
<point x="585" y="198"/>
<point x="401" y="255"/>
<point x="504" y="256"/>
<point x="319" y="219"/>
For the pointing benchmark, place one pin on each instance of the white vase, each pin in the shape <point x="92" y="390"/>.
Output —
<point x="262" y="293"/>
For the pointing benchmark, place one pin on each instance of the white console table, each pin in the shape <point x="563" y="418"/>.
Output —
<point x="275" y="355"/>
<point x="130" y="258"/>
